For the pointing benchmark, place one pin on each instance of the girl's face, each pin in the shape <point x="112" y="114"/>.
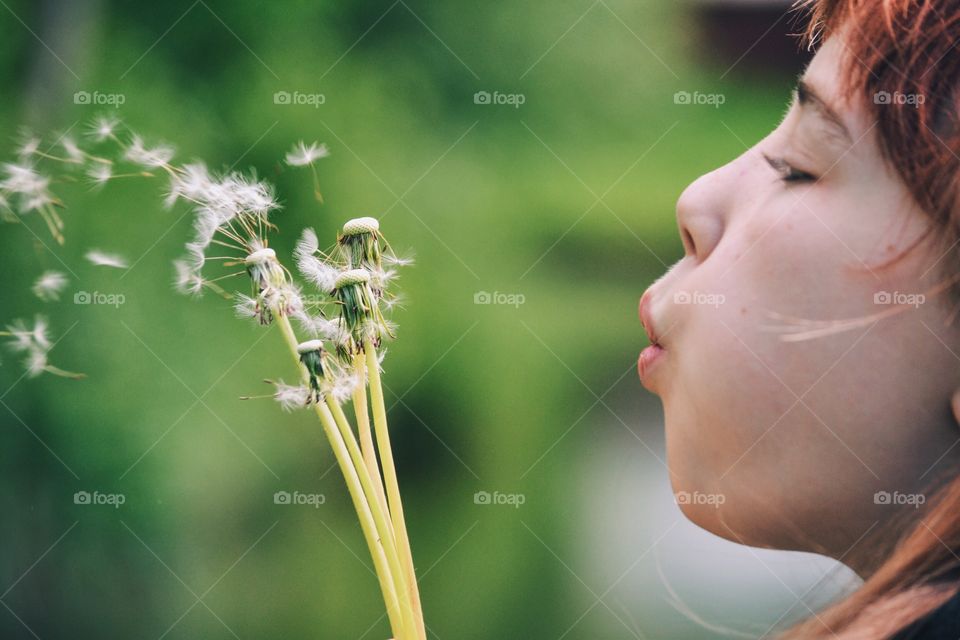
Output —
<point x="792" y="444"/>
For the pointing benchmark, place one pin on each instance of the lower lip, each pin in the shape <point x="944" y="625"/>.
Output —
<point x="649" y="358"/>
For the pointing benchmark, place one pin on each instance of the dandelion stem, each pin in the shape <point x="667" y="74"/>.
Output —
<point x="381" y="517"/>
<point x="363" y="427"/>
<point x="355" y="486"/>
<point x="390" y="478"/>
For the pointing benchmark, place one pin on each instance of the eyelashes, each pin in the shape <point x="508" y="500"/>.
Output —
<point x="787" y="172"/>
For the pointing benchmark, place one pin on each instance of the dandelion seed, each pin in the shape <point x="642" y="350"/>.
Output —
<point x="317" y="271"/>
<point x="27" y="183"/>
<point x="187" y="280"/>
<point x="101" y="259"/>
<point x="303" y="154"/>
<point x="100" y="173"/>
<point x="292" y="397"/>
<point x="35" y="363"/>
<point x="137" y="153"/>
<point x="342" y="388"/>
<point x="29" y="146"/>
<point x="49" y="286"/>
<point x="74" y="153"/>
<point x="192" y="182"/>
<point x="246" y="307"/>
<point x="102" y="128"/>
<point x="316" y="325"/>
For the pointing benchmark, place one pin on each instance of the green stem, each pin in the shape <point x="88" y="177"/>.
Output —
<point x="363" y="428"/>
<point x="364" y="513"/>
<point x="390" y="479"/>
<point x="383" y="524"/>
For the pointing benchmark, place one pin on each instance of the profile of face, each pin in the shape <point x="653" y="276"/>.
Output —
<point x="791" y="443"/>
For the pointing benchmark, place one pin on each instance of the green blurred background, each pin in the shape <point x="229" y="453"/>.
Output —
<point x="566" y="200"/>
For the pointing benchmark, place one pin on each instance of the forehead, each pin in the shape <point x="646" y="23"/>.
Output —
<point x="824" y="75"/>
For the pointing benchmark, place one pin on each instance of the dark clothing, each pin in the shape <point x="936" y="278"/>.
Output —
<point x="943" y="623"/>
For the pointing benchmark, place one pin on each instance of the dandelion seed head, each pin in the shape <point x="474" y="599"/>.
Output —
<point x="102" y="259"/>
<point x="304" y="154"/>
<point x="310" y="345"/>
<point x="49" y="285"/>
<point x="357" y="226"/>
<point x="261" y="256"/>
<point x="352" y="276"/>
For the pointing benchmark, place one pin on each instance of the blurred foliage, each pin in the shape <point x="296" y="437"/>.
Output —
<point x="490" y="197"/>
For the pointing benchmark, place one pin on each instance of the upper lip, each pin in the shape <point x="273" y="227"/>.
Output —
<point x="646" y="319"/>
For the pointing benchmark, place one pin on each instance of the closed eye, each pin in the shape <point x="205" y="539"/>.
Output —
<point x="787" y="172"/>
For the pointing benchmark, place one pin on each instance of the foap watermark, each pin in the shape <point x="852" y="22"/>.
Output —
<point x="899" y="98"/>
<point x="899" y="298"/>
<point x="711" y="499"/>
<point x="512" y="99"/>
<point x="499" y="297"/>
<point x="296" y="498"/>
<point x="299" y="98"/>
<point x="96" y="498"/>
<point x="514" y="500"/>
<point x="897" y="499"/>
<point x="699" y="297"/>
<point x="99" y="98"/>
<point x="96" y="297"/>
<point x="714" y="100"/>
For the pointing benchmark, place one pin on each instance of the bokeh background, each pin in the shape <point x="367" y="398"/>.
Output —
<point x="564" y="202"/>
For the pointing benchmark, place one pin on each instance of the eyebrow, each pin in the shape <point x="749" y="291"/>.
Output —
<point x="808" y="97"/>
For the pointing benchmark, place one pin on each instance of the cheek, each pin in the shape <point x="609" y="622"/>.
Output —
<point x="774" y="425"/>
<point x="735" y="382"/>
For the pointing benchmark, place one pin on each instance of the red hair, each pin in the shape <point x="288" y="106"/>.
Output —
<point x="900" y="61"/>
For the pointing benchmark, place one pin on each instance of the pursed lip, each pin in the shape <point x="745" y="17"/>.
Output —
<point x="655" y="352"/>
<point x="646" y="318"/>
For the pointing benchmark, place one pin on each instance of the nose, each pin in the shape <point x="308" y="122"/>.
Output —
<point x="702" y="212"/>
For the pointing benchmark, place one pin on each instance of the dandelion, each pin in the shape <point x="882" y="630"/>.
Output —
<point x="319" y="272"/>
<point x="292" y="397"/>
<point x="303" y="154"/>
<point x="30" y="191"/>
<point x="102" y="259"/>
<point x="103" y="128"/>
<point x="342" y="327"/>
<point x="138" y="153"/>
<point x="29" y="146"/>
<point x="34" y="342"/>
<point x="49" y="286"/>
<point x="100" y="174"/>
<point x="74" y="154"/>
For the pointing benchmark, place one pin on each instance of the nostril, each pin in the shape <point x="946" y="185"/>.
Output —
<point x="688" y="244"/>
